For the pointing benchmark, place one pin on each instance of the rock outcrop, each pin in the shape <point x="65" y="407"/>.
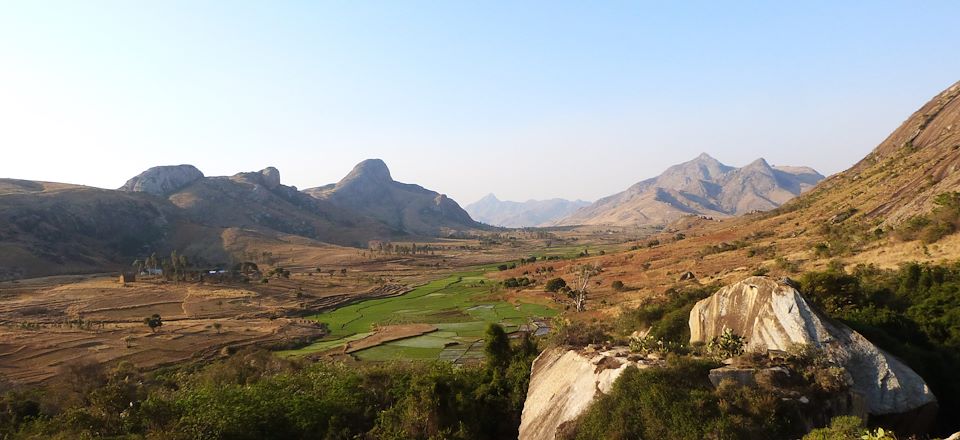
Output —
<point x="774" y="316"/>
<point x="163" y="180"/>
<point x="370" y="190"/>
<point x="563" y="384"/>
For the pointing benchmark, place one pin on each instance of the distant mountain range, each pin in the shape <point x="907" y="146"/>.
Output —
<point x="50" y="228"/>
<point x="496" y="212"/>
<point x="702" y="186"/>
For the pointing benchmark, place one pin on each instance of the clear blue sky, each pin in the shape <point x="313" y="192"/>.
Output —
<point x="524" y="99"/>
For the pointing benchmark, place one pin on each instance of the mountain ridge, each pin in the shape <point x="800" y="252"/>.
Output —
<point x="701" y="186"/>
<point x="529" y="213"/>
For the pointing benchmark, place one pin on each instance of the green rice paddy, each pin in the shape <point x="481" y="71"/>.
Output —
<point x="458" y="305"/>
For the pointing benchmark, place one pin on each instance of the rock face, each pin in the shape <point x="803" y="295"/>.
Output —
<point x="496" y="212"/>
<point x="563" y="384"/>
<point x="271" y="177"/>
<point x="701" y="186"/>
<point x="163" y="180"/>
<point x="370" y="190"/>
<point x="774" y="316"/>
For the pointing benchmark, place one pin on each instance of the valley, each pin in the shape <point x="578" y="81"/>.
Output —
<point x="723" y="285"/>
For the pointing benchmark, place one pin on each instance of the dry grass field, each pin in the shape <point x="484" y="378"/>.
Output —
<point x="50" y="322"/>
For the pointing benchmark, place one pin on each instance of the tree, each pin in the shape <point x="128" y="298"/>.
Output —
<point x="555" y="285"/>
<point x="138" y="265"/>
<point x="217" y="326"/>
<point x="578" y="293"/>
<point x="154" y="322"/>
<point x="497" y="346"/>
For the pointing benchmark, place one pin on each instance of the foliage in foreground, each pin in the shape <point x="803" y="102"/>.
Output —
<point x="255" y="395"/>
<point x="913" y="313"/>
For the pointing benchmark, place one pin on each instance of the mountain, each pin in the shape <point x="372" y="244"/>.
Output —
<point x="370" y="190"/>
<point x="493" y="211"/>
<point x="258" y="200"/>
<point x="53" y="228"/>
<point x="702" y="186"/>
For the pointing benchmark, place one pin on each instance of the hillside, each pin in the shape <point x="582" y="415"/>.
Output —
<point x="52" y="228"/>
<point x="496" y="212"/>
<point x="702" y="186"/>
<point x="370" y="190"/>
<point x="864" y="215"/>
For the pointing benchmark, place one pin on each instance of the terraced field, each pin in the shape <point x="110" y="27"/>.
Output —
<point x="460" y="306"/>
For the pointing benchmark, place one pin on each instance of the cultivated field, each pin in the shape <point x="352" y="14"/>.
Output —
<point x="458" y="308"/>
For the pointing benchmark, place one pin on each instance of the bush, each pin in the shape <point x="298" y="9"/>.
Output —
<point x="675" y="402"/>
<point x="617" y="285"/>
<point x="727" y="345"/>
<point x="841" y="428"/>
<point x="555" y="284"/>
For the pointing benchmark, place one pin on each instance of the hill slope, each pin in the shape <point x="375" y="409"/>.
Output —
<point x="702" y="186"/>
<point x="493" y="211"/>
<point x="52" y="228"/>
<point x="370" y="190"/>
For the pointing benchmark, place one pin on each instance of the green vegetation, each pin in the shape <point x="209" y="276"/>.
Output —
<point x="460" y="306"/>
<point x="255" y="395"/>
<point x="848" y="428"/>
<point x="726" y="345"/>
<point x="154" y="322"/>
<point x="913" y="313"/>
<point x="555" y="284"/>
<point x="667" y="320"/>
<point x="679" y="402"/>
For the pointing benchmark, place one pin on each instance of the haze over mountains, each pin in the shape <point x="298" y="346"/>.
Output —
<point x="702" y="186"/>
<point x="496" y="212"/>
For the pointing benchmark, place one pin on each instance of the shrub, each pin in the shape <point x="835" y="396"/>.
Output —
<point x="841" y="428"/>
<point x="675" y="402"/>
<point x="555" y="284"/>
<point x="727" y="345"/>
<point x="617" y="285"/>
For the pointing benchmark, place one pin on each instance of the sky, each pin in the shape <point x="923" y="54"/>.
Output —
<point x="527" y="100"/>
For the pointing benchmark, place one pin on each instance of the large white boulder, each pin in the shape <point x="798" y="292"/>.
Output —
<point x="563" y="384"/>
<point x="774" y="316"/>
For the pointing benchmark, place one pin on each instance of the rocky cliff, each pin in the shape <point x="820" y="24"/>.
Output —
<point x="774" y="316"/>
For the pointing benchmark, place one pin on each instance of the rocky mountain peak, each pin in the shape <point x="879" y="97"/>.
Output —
<point x="374" y="170"/>
<point x="271" y="177"/>
<point x="163" y="180"/>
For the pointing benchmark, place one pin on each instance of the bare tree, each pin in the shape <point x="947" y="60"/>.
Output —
<point x="578" y="292"/>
